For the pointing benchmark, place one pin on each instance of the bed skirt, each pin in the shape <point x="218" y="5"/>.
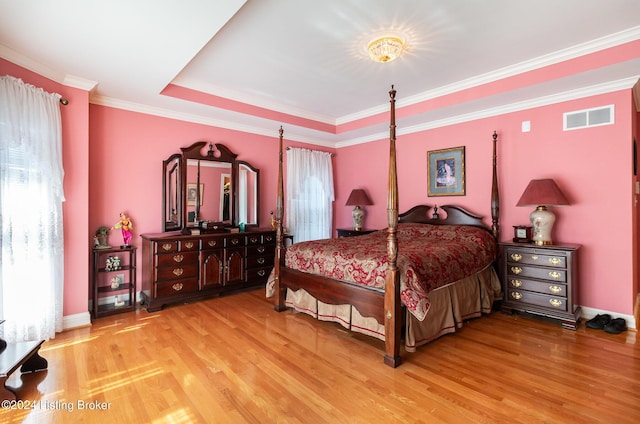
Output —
<point x="450" y="306"/>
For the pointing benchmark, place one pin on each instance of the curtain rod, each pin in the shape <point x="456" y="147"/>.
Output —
<point x="64" y="101"/>
<point x="332" y="154"/>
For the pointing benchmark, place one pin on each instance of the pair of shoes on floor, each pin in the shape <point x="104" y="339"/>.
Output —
<point x="604" y="322"/>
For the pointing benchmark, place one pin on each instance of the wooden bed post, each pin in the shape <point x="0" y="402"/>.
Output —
<point x="495" y="196"/>
<point x="392" y="305"/>
<point x="280" y="292"/>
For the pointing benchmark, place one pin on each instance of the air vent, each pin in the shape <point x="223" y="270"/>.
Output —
<point x="588" y="118"/>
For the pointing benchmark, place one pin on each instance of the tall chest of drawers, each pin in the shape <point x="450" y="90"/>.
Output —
<point x="541" y="280"/>
<point x="180" y="268"/>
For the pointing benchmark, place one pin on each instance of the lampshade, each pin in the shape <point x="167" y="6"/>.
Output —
<point x="358" y="197"/>
<point x="542" y="192"/>
<point x="385" y="49"/>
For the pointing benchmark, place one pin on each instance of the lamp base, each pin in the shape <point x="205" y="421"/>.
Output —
<point x="358" y="215"/>
<point x="542" y="221"/>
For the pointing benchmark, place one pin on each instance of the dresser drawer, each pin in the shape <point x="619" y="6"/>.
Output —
<point x="525" y="297"/>
<point x="259" y="261"/>
<point x="189" y="245"/>
<point x="269" y="238"/>
<point x="253" y="239"/>
<point x="258" y="274"/>
<point x="235" y="241"/>
<point x="522" y="256"/>
<point x="177" y="271"/>
<point x="552" y="274"/>
<point x="170" y="288"/>
<point x="212" y="243"/>
<point x="178" y="258"/>
<point x="261" y="250"/>
<point x="166" y="246"/>
<point x="551" y="288"/>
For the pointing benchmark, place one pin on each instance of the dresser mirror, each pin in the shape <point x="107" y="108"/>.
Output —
<point x="205" y="188"/>
<point x="171" y="187"/>
<point x="247" y="188"/>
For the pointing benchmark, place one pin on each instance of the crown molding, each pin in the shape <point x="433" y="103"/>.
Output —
<point x="594" y="90"/>
<point x="30" y="64"/>
<point x="40" y="69"/>
<point x="80" y="83"/>
<point x="204" y="120"/>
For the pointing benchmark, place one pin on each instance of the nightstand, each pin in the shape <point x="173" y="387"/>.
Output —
<point x="541" y="280"/>
<point x="350" y="232"/>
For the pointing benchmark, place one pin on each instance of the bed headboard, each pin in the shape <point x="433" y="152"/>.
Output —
<point x="453" y="215"/>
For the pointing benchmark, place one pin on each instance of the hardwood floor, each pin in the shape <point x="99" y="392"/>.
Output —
<point x="234" y="359"/>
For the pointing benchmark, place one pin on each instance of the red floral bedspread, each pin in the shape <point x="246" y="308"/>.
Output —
<point x="429" y="256"/>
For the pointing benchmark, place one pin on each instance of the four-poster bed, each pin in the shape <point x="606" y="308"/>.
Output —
<point x="451" y="281"/>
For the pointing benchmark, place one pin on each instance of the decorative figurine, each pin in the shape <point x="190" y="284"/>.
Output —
<point x="125" y="225"/>
<point x="100" y="238"/>
<point x="118" y="302"/>
<point x="115" y="262"/>
<point x="273" y="220"/>
<point x="108" y="266"/>
<point x="115" y="283"/>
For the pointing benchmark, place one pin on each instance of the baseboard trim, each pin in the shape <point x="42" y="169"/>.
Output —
<point x="636" y="308"/>
<point x="588" y="313"/>
<point x="76" y="321"/>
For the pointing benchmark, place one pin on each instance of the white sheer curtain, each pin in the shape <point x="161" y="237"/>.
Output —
<point x="309" y="194"/>
<point x="31" y="196"/>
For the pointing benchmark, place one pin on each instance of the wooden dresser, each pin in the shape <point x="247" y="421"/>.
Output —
<point x="179" y="268"/>
<point x="541" y="280"/>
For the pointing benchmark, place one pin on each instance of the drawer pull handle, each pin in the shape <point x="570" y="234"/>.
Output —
<point x="178" y="258"/>
<point x="235" y="241"/>
<point x="177" y="286"/>
<point x="516" y="257"/>
<point x="555" y="261"/>
<point x="178" y="272"/>
<point x="555" y="289"/>
<point x="516" y="270"/>
<point x="260" y="261"/>
<point x="555" y="303"/>
<point x="167" y="246"/>
<point x="188" y="244"/>
<point x="212" y="243"/>
<point x="555" y="274"/>
<point x="261" y="249"/>
<point x="253" y="239"/>
<point x="269" y="238"/>
<point x="534" y="257"/>
<point x="516" y="283"/>
<point x="516" y="295"/>
<point x="262" y="273"/>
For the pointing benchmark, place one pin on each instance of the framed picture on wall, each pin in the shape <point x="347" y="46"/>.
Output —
<point x="445" y="172"/>
<point x="192" y="194"/>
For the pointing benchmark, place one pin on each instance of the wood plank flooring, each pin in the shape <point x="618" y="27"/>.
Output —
<point x="235" y="360"/>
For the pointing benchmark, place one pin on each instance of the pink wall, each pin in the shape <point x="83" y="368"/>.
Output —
<point x="113" y="162"/>
<point x="592" y="166"/>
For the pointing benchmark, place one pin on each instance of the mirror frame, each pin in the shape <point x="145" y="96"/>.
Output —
<point x="221" y="153"/>
<point x="167" y="224"/>
<point x="216" y="152"/>
<point x="236" y="186"/>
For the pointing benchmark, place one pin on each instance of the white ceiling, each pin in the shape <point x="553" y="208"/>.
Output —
<point x="307" y="59"/>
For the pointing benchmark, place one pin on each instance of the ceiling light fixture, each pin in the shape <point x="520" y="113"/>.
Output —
<point x="385" y="49"/>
